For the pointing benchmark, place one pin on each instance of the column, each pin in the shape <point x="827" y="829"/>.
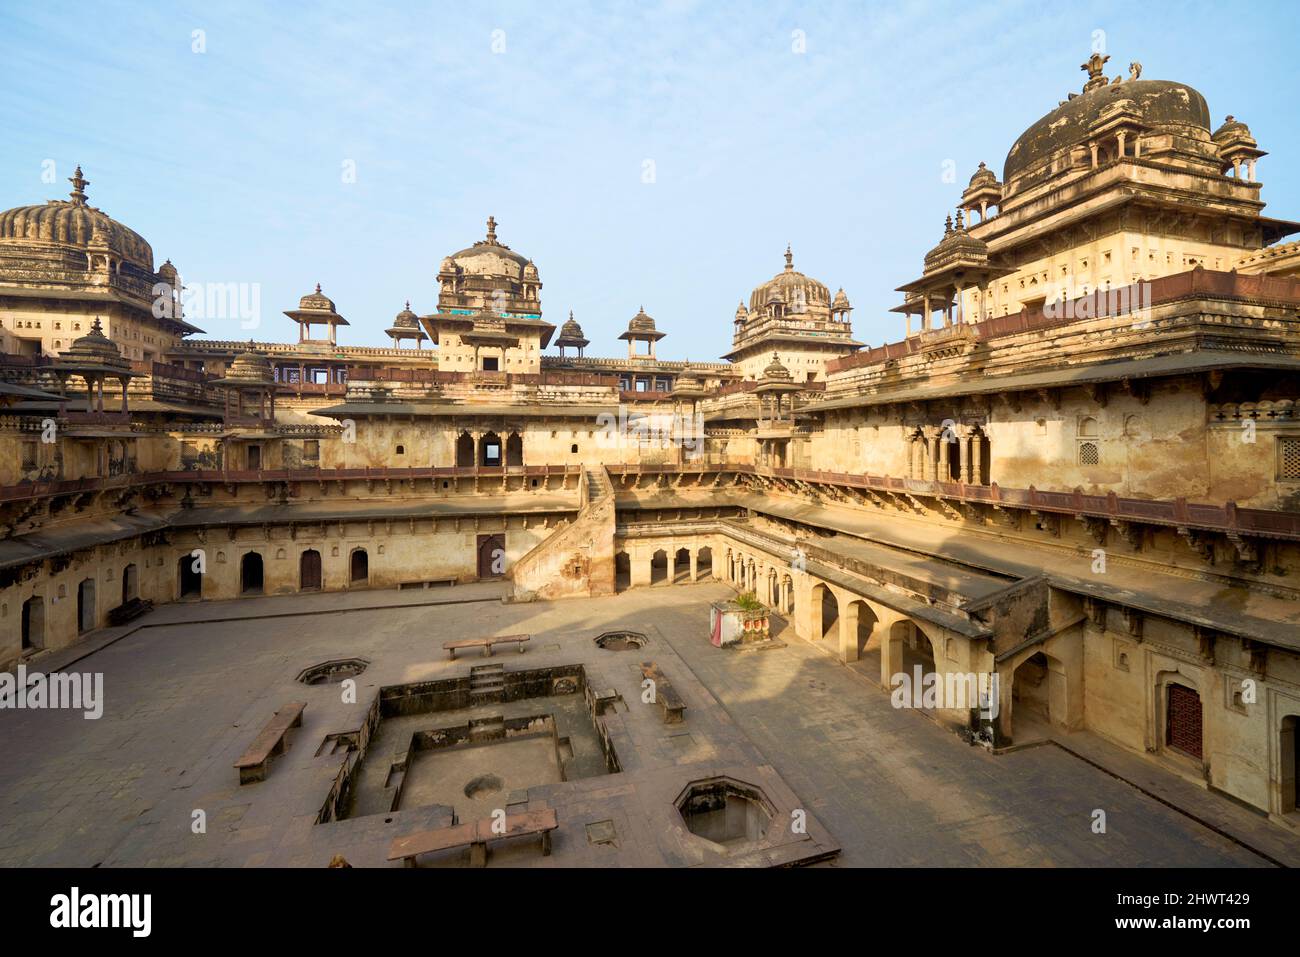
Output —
<point x="1250" y="171"/>
<point x="932" y="447"/>
<point x="975" y="455"/>
<point x="943" y="472"/>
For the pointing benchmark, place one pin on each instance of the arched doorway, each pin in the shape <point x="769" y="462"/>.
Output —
<point x="309" y="570"/>
<point x="34" y="623"/>
<point x="191" y="577"/>
<point x="622" y="571"/>
<point x="704" y="563"/>
<point x="514" y="449"/>
<point x="464" y="451"/>
<point x="825" y="613"/>
<point x="659" y="567"/>
<point x="1183" y="727"/>
<point x="1038" y="692"/>
<point x="86" y="605"/>
<point x="863" y="643"/>
<point x="358" y="567"/>
<point x="681" y="565"/>
<point x="250" y="574"/>
<point x="490" y="450"/>
<point x="130" y="583"/>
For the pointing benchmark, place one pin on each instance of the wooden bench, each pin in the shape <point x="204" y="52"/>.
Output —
<point x="476" y="834"/>
<point x="129" y="610"/>
<point x="485" y="643"/>
<point x="665" y="695"/>
<point x="268" y="744"/>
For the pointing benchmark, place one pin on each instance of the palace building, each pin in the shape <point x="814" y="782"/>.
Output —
<point x="1077" y="470"/>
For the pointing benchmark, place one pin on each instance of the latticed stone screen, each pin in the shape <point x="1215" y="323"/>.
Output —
<point x="1088" y="453"/>
<point x="1183" y="722"/>
<point x="1288" y="458"/>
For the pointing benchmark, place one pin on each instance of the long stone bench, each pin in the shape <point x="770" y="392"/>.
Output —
<point x="664" y="694"/>
<point x="475" y="834"/>
<point x="485" y="643"/>
<point x="269" y="743"/>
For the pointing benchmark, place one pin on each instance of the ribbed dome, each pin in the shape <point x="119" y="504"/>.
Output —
<point x="957" y="244"/>
<point x="570" y="329"/>
<point x="1231" y="126"/>
<point x="71" y="222"/>
<point x="775" y="370"/>
<point x="789" y="286"/>
<point x="841" y="301"/>
<point x="95" y="349"/>
<point x="249" y="368"/>
<point x="1164" y="106"/>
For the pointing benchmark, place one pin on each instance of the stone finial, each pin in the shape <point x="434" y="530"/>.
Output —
<point x="789" y="257"/>
<point x="1095" y="64"/>
<point x="79" y="184"/>
<point x="318" y="288"/>
<point x="492" y="229"/>
<point x="947" y="224"/>
<point x="959" y="225"/>
<point x="96" y="328"/>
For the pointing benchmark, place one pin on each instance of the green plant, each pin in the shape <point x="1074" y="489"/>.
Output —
<point x="748" y="602"/>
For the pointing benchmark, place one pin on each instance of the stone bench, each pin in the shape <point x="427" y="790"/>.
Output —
<point x="665" y="695"/>
<point x="129" y="610"/>
<point x="475" y="834"/>
<point x="485" y="643"/>
<point x="268" y="744"/>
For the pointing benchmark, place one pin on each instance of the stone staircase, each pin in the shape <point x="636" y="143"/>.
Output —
<point x="487" y="684"/>
<point x="576" y="560"/>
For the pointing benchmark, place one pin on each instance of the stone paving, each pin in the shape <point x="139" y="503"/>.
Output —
<point x="888" y="787"/>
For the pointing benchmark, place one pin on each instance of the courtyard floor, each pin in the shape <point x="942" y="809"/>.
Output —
<point x="188" y="692"/>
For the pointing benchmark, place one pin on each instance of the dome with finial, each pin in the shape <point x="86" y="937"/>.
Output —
<point x="316" y="302"/>
<point x="641" y="322"/>
<point x="956" y="245"/>
<point x="570" y="329"/>
<point x="982" y="176"/>
<point x="249" y="368"/>
<point x="742" y="314"/>
<point x="94" y="350"/>
<point x="1164" y="108"/>
<point x="492" y="258"/>
<point x="841" y="302"/>
<point x="1231" y="127"/>
<point x="74" y="224"/>
<point x="775" y="370"/>
<point x="406" y="319"/>
<point x="792" y="288"/>
<point x="168" y="273"/>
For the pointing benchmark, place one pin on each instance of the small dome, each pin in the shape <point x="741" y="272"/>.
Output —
<point x="448" y="265"/>
<point x="316" y="302"/>
<point x="775" y="370"/>
<point x="742" y="314"/>
<point x="982" y="176"/>
<point x="1231" y="126"/>
<point x="94" y="348"/>
<point x="249" y="368"/>
<point x="530" y="270"/>
<point x="168" y="273"/>
<point x="406" y="319"/>
<point x="957" y="244"/>
<point x="570" y="329"/>
<point x="841" y="301"/>
<point x="641" y="322"/>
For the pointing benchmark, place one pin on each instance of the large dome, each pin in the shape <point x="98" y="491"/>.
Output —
<point x="1165" y="107"/>
<point x="72" y="222"/>
<point x="490" y="257"/>
<point x="790" y="287"/>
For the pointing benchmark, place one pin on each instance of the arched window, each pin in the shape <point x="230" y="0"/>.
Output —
<point x="1089" y="446"/>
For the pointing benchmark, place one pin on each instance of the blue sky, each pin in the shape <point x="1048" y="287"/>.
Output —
<point x="230" y="161"/>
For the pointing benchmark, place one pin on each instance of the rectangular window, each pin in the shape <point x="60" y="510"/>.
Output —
<point x="1288" y="458"/>
<point x="311" y="449"/>
<point x="29" y="455"/>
